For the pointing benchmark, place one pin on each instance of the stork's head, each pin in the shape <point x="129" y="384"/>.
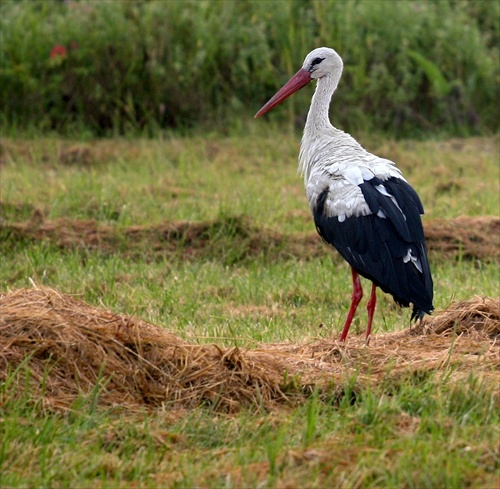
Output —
<point x="322" y="62"/>
<point x="319" y="63"/>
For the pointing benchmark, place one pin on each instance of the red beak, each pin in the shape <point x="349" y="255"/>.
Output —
<point x="299" y="80"/>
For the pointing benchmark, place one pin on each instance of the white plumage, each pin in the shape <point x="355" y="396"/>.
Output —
<point x="361" y="203"/>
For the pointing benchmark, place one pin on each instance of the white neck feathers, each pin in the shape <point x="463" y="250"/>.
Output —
<point x="321" y="142"/>
<point x="317" y="118"/>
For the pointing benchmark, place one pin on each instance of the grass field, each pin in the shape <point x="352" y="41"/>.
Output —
<point x="211" y="239"/>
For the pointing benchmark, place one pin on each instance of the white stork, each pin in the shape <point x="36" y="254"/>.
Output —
<point x="360" y="202"/>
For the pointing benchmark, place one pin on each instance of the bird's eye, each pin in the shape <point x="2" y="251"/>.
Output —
<point x="316" y="61"/>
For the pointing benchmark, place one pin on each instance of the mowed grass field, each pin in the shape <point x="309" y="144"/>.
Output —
<point x="211" y="238"/>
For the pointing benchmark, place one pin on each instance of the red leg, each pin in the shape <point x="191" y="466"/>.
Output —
<point x="370" y="307"/>
<point x="357" y="294"/>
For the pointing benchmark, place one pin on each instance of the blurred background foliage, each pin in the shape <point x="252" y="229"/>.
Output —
<point x="140" y="67"/>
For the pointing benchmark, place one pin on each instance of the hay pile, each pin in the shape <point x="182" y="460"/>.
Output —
<point x="479" y="314"/>
<point x="74" y="346"/>
<point x="71" y="347"/>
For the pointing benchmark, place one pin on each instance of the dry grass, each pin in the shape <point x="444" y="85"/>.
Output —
<point x="70" y="347"/>
<point x="471" y="237"/>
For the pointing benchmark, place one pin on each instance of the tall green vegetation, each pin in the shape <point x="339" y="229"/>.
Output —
<point x="135" y="66"/>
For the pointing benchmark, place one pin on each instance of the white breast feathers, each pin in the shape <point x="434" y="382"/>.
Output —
<point x="338" y="163"/>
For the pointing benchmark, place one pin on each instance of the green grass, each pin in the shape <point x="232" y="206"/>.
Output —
<point x="210" y="301"/>
<point x="428" y="434"/>
<point x="151" y="181"/>
<point x="423" y="432"/>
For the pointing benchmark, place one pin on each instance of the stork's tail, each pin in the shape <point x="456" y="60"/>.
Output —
<point x="418" y="314"/>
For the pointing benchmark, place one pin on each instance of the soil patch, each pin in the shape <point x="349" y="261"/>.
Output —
<point x="72" y="348"/>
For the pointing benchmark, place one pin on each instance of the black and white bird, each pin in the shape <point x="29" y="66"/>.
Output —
<point x="360" y="202"/>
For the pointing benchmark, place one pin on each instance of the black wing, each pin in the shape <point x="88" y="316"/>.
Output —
<point x="387" y="246"/>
